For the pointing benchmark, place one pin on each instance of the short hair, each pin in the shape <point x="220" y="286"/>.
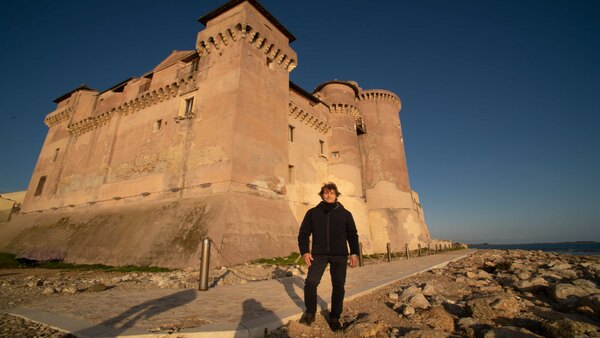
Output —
<point x="329" y="186"/>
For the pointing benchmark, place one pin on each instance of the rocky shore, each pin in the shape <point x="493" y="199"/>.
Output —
<point x="491" y="293"/>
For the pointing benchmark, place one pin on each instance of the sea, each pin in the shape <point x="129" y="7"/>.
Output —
<point x="572" y="248"/>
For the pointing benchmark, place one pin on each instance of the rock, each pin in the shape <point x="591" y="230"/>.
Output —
<point x="569" y="274"/>
<point x="364" y="327"/>
<point x="409" y="293"/>
<point x="428" y="290"/>
<point x="524" y="275"/>
<point x="429" y="334"/>
<point x="466" y="322"/>
<point x="97" y="287"/>
<point x="533" y="285"/>
<point x="436" y="318"/>
<point x="48" y="291"/>
<point x="419" y="301"/>
<point x="393" y="296"/>
<point x="408" y="310"/>
<point x="586" y="284"/>
<point x="486" y="309"/>
<point x="510" y="332"/>
<point x="568" y="293"/>
<point x="567" y="328"/>
<point x="70" y="290"/>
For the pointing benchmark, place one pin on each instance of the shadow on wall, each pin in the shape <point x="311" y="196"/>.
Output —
<point x="126" y="320"/>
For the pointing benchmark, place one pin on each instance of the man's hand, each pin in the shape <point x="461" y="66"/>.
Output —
<point x="353" y="261"/>
<point x="307" y="258"/>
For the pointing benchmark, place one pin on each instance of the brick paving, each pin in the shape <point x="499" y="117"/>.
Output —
<point x="226" y="311"/>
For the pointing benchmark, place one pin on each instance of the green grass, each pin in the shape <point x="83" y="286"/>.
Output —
<point x="9" y="261"/>
<point x="293" y="259"/>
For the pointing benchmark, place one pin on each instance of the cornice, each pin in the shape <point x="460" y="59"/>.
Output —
<point x="56" y="118"/>
<point x="373" y="95"/>
<point x="142" y="101"/>
<point x="307" y="118"/>
<point x="243" y="32"/>
<point x="345" y="109"/>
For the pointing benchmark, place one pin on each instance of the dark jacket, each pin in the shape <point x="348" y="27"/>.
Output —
<point x="331" y="228"/>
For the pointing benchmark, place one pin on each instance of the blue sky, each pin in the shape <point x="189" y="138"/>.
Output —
<point x="500" y="115"/>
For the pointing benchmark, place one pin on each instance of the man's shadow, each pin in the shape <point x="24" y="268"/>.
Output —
<point x="126" y="320"/>
<point x="256" y="317"/>
<point x="288" y="284"/>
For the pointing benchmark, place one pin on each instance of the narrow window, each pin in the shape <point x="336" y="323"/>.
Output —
<point x="291" y="174"/>
<point x="335" y="154"/>
<point x="321" y="147"/>
<point x="157" y="125"/>
<point x="291" y="133"/>
<point x="189" y="105"/>
<point x="269" y="62"/>
<point x="194" y="66"/>
<point x="40" y="186"/>
<point x="55" y="155"/>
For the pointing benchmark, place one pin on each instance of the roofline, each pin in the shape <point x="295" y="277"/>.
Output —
<point x="347" y="83"/>
<point x="306" y="94"/>
<point x="231" y="4"/>
<point x="117" y="85"/>
<point x="82" y="86"/>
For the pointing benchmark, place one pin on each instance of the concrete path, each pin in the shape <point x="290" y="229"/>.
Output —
<point x="226" y="311"/>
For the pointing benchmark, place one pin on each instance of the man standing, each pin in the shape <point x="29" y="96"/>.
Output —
<point x="332" y="229"/>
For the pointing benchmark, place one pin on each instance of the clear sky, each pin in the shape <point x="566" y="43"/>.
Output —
<point x="501" y="117"/>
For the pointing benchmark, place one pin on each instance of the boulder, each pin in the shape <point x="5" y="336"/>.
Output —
<point x="436" y="318"/>
<point x="568" y="293"/>
<point x="486" y="309"/>
<point x="510" y="332"/>
<point x="568" y="328"/>
<point x="429" y="334"/>
<point x="97" y="287"/>
<point x="428" y="290"/>
<point x="419" y="301"/>
<point x="409" y="293"/>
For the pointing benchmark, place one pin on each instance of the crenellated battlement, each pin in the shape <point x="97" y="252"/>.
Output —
<point x="244" y="32"/>
<point x="337" y="108"/>
<point x="57" y="117"/>
<point x="376" y="94"/>
<point x="142" y="101"/>
<point x="307" y="118"/>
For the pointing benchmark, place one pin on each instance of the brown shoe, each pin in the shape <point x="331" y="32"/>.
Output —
<point x="307" y="318"/>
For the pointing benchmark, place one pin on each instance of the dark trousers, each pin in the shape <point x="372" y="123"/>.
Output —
<point x="337" y="268"/>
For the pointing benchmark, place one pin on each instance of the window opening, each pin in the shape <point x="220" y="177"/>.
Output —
<point x="55" y="155"/>
<point x="321" y="147"/>
<point x="291" y="133"/>
<point x="157" y="125"/>
<point x="291" y="174"/>
<point x="335" y="154"/>
<point x="189" y="105"/>
<point x="40" y="186"/>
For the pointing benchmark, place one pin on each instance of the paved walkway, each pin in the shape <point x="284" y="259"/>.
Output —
<point x="226" y="311"/>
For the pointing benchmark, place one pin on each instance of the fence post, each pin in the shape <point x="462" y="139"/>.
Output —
<point x="406" y="251"/>
<point x="360" y="255"/>
<point x="204" y="268"/>
<point x="389" y="252"/>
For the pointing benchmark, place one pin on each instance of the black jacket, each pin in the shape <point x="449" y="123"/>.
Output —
<point x="331" y="228"/>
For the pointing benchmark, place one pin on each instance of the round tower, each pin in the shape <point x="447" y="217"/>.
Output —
<point x="389" y="199"/>
<point x="343" y="150"/>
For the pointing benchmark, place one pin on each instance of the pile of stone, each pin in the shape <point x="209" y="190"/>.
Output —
<point x="496" y="294"/>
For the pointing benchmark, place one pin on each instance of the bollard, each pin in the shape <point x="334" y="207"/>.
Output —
<point x="389" y="252"/>
<point x="406" y="251"/>
<point x="204" y="259"/>
<point x="360" y="255"/>
<point x="419" y="249"/>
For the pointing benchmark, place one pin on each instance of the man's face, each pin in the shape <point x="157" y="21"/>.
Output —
<point x="329" y="196"/>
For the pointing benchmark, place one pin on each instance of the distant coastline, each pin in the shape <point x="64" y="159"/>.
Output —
<point x="573" y="248"/>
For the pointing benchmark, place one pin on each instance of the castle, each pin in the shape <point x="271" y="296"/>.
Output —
<point x="214" y="142"/>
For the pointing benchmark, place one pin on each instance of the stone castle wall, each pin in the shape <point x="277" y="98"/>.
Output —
<point x="226" y="146"/>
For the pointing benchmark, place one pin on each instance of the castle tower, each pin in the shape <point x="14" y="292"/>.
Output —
<point x="392" y="214"/>
<point x="344" y="153"/>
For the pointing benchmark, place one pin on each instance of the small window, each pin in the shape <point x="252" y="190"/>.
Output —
<point x="189" y="105"/>
<point x="291" y="174"/>
<point x="157" y="125"/>
<point x="291" y="133"/>
<point x="55" y="155"/>
<point x="335" y="154"/>
<point x="321" y="147"/>
<point x="194" y="65"/>
<point x="269" y="62"/>
<point x="40" y="186"/>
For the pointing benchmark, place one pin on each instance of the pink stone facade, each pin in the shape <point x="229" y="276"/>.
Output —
<point x="215" y="142"/>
